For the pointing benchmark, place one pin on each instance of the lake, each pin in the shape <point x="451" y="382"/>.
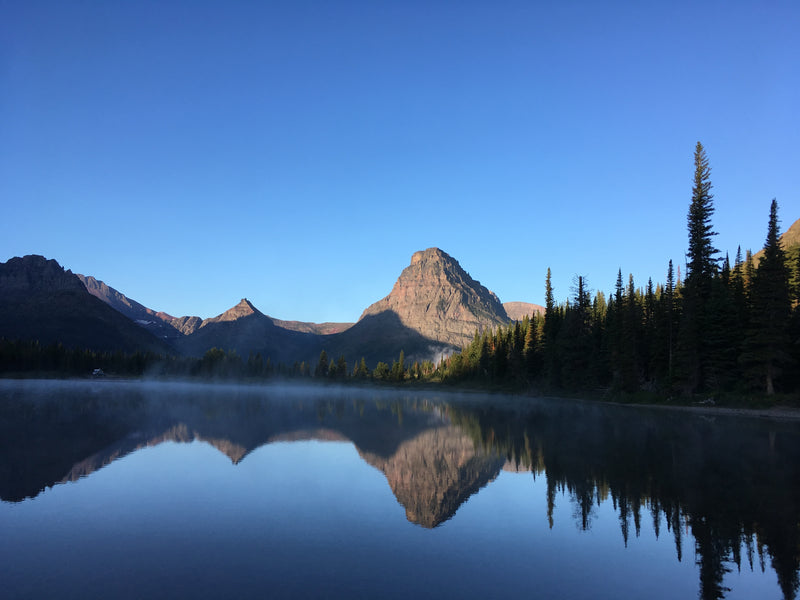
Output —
<point x="161" y="490"/>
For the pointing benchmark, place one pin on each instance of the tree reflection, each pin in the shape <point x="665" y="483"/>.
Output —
<point x="734" y="483"/>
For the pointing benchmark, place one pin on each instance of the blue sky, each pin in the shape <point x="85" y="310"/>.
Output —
<point x="298" y="153"/>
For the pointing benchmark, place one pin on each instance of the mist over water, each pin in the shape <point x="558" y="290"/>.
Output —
<point x="129" y="489"/>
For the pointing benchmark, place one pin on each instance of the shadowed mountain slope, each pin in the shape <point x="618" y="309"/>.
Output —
<point x="160" y="324"/>
<point x="41" y="301"/>
<point x="166" y="326"/>
<point x="246" y="330"/>
<point x="381" y="337"/>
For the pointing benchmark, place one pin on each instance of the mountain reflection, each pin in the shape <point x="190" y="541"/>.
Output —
<point x="431" y="466"/>
<point x="729" y="486"/>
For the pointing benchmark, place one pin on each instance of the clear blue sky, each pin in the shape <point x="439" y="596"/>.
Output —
<point x="298" y="153"/>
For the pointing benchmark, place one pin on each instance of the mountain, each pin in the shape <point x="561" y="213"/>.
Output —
<point x="436" y="299"/>
<point x="168" y="327"/>
<point x="39" y="300"/>
<point x="316" y="328"/>
<point x="159" y="324"/>
<point x="433" y="309"/>
<point x="517" y="311"/>
<point x="247" y="330"/>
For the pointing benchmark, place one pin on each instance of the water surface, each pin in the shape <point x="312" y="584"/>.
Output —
<point x="131" y="490"/>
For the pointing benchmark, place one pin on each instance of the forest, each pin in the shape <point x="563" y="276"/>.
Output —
<point x="725" y="328"/>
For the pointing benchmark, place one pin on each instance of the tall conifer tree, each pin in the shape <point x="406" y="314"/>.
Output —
<point x="767" y="343"/>
<point x="701" y="268"/>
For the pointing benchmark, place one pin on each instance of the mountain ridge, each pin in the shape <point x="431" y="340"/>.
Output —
<point x="42" y="301"/>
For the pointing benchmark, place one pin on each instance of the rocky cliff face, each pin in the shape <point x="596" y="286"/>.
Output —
<point x="436" y="298"/>
<point x="35" y="274"/>
<point x="186" y="325"/>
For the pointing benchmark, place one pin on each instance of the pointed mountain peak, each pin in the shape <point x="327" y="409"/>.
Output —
<point x="431" y="254"/>
<point x="437" y="298"/>
<point x="240" y="311"/>
<point x="245" y="304"/>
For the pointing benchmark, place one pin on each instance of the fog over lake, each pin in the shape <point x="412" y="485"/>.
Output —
<point x="164" y="490"/>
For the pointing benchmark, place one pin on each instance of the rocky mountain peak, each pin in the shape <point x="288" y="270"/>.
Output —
<point x="435" y="297"/>
<point x="241" y="310"/>
<point x="34" y="273"/>
<point x="431" y="254"/>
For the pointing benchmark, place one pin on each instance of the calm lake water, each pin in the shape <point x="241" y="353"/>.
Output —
<point x="139" y="490"/>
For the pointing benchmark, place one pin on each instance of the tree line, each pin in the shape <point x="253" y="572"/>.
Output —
<point x="725" y="328"/>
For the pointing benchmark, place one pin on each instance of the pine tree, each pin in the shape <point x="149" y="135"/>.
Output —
<point x="321" y="369"/>
<point x="399" y="368"/>
<point x="671" y="321"/>
<point x="701" y="269"/>
<point x="549" y="334"/>
<point x="767" y="343"/>
<point x="531" y="347"/>
<point x="341" y="367"/>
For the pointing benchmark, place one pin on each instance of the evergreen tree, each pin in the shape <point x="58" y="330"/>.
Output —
<point x="381" y="371"/>
<point x="531" y="348"/>
<point x="321" y="369"/>
<point x="398" y="367"/>
<point x="767" y="343"/>
<point x="575" y="340"/>
<point x="670" y="312"/>
<point x="363" y="371"/>
<point x="549" y="334"/>
<point x="341" y="368"/>
<point x="701" y="269"/>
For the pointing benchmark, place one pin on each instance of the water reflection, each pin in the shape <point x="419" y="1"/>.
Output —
<point x="732" y="483"/>
<point x="431" y="466"/>
<point x="726" y="490"/>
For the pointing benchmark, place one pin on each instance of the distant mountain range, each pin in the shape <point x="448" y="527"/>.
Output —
<point x="434" y="308"/>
